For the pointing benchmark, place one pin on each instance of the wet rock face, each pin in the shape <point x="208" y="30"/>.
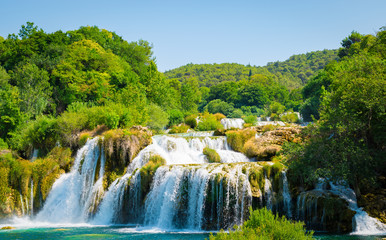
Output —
<point x="324" y="211"/>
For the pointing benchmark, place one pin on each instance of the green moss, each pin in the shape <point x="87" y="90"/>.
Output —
<point x="237" y="138"/>
<point x="182" y="128"/>
<point x="83" y="137"/>
<point x="211" y="155"/>
<point x="148" y="170"/>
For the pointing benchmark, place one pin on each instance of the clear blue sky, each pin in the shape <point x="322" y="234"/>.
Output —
<point x="199" y="31"/>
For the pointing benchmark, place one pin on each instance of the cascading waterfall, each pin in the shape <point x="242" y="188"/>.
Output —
<point x="194" y="197"/>
<point x="22" y="204"/>
<point x="268" y="193"/>
<point x="286" y="196"/>
<point x="362" y="223"/>
<point x="312" y="207"/>
<point x="187" y="193"/>
<point x="229" y="123"/>
<point x="74" y="195"/>
<point x="32" y="197"/>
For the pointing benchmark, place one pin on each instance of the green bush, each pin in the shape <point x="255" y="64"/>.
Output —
<point x="3" y="145"/>
<point x="251" y="119"/>
<point x="182" y="128"/>
<point x="175" y="117"/>
<point x="191" y="121"/>
<point x="212" y="155"/>
<point x="158" y="119"/>
<point x="290" y="117"/>
<point x="237" y="138"/>
<point x="209" y="123"/>
<point x="262" y="224"/>
<point x="41" y="133"/>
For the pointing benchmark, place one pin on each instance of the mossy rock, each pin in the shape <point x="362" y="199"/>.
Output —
<point x="147" y="172"/>
<point x="211" y="155"/>
<point x="7" y="228"/>
<point x="328" y="212"/>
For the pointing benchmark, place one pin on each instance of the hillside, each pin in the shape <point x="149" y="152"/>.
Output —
<point x="292" y="73"/>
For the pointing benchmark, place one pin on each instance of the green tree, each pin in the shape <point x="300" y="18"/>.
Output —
<point x="34" y="89"/>
<point x="158" y="119"/>
<point x="10" y="114"/>
<point x="190" y="95"/>
<point x="218" y="106"/>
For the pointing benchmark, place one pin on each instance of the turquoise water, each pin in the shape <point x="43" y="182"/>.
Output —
<point x="96" y="233"/>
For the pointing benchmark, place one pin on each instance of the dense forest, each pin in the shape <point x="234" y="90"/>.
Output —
<point x="292" y="73"/>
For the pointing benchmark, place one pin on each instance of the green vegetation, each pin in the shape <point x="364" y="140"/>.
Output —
<point x="348" y="142"/>
<point x="147" y="172"/>
<point x="209" y="122"/>
<point x="55" y="85"/>
<point x="262" y="224"/>
<point x="182" y="128"/>
<point x="292" y="73"/>
<point x="211" y="155"/>
<point x="16" y="175"/>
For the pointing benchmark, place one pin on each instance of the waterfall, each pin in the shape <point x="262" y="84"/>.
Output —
<point x="363" y="224"/>
<point x="32" y="198"/>
<point x="192" y="197"/>
<point x="188" y="150"/>
<point x="186" y="193"/>
<point x="35" y="153"/>
<point x="232" y="123"/>
<point x="268" y="193"/>
<point x="73" y="195"/>
<point x="22" y="204"/>
<point x="286" y="196"/>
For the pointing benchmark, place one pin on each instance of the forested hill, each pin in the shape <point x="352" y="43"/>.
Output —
<point x="292" y="73"/>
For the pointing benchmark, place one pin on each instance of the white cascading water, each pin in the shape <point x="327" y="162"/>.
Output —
<point x="363" y="224"/>
<point x="32" y="197"/>
<point x="286" y="196"/>
<point x="229" y="123"/>
<point x="22" y="205"/>
<point x="187" y="150"/>
<point x="73" y="195"/>
<point x="187" y="194"/>
<point x="178" y="194"/>
<point x="268" y="193"/>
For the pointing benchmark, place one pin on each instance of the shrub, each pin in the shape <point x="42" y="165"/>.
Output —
<point x="191" y="120"/>
<point x="175" y="117"/>
<point x="3" y="145"/>
<point x="83" y="137"/>
<point x="41" y="133"/>
<point x="209" y="123"/>
<point x="251" y="119"/>
<point x="158" y="119"/>
<point x="237" y="113"/>
<point x="290" y="117"/>
<point x="268" y="127"/>
<point x="219" y="116"/>
<point x="212" y="155"/>
<point x="182" y="128"/>
<point x="237" y="138"/>
<point x="263" y="224"/>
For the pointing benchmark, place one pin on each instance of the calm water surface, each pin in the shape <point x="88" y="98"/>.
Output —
<point x="96" y="233"/>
